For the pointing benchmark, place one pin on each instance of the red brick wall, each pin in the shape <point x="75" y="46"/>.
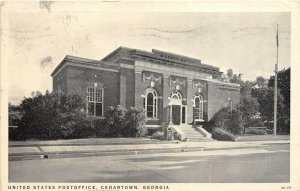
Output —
<point x="218" y="95"/>
<point x="77" y="79"/>
<point x="127" y="87"/>
<point x="139" y="89"/>
<point x="60" y="81"/>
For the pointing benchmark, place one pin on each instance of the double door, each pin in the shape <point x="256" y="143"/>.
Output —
<point x="178" y="114"/>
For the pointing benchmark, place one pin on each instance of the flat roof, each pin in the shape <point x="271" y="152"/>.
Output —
<point x="160" y="55"/>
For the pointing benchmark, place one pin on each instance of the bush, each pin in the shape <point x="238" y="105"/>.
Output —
<point x="100" y="129"/>
<point x="158" y="135"/>
<point x="114" y="121"/>
<point x="76" y="125"/>
<point x="234" y="123"/>
<point x="57" y="116"/>
<point x="54" y="116"/>
<point x="227" y="120"/>
<point x="220" y="118"/>
<point x="134" y="123"/>
<point x="120" y="122"/>
<point x="254" y="122"/>
<point x="222" y="135"/>
<point x="256" y="131"/>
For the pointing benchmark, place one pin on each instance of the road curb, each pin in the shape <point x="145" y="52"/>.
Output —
<point x="87" y="153"/>
<point x="71" y="154"/>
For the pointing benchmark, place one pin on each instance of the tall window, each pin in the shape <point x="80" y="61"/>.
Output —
<point x="198" y="109"/>
<point x="150" y="103"/>
<point x="94" y="101"/>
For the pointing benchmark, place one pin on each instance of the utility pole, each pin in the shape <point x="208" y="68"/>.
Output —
<point x="275" y="86"/>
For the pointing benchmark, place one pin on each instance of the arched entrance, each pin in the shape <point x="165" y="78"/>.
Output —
<point x="177" y="110"/>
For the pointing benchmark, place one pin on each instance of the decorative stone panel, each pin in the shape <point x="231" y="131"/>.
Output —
<point x="177" y="81"/>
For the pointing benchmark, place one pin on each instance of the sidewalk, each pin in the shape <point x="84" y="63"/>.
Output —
<point x="53" y="151"/>
<point x="86" y="141"/>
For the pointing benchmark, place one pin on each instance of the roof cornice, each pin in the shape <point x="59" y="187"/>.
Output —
<point x="85" y="62"/>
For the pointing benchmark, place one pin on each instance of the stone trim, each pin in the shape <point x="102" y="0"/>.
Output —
<point x="82" y="66"/>
<point x="233" y="85"/>
<point x="151" y="77"/>
<point x="152" y="126"/>
<point x="169" y="70"/>
<point x="87" y="63"/>
<point x="128" y="66"/>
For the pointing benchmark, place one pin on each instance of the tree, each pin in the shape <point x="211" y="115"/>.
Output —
<point x="14" y="115"/>
<point x="284" y="90"/>
<point x="53" y="116"/>
<point x="265" y="98"/>
<point x="283" y="82"/>
<point x="249" y="105"/>
<point x="233" y="78"/>
<point x="229" y="73"/>
<point x="261" y="82"/>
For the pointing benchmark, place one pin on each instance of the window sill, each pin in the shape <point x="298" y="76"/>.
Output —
<point x="199" y="120"/>
<point x="152" y="119"/>
<point x="98" y="117"/>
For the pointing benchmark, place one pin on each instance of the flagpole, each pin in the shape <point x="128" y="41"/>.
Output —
<point x="275" y="86"/>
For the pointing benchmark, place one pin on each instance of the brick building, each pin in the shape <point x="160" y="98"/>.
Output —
<point x="172" y="89"/>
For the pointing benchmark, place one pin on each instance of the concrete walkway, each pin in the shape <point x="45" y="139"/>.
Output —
<point x="86" y="141"/>
<point x="53" y="151"/>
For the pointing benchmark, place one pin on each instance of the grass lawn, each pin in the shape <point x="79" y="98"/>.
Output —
<point x="261" y="138"/>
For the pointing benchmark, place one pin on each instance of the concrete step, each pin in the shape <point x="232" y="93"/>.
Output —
<point x="200" y="140"/>
<point x="193" y="135"/>
<point x="189" y="130"/>
<point x="192" y="132"/>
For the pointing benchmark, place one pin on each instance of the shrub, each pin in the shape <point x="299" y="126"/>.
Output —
<point x="76" y="125"/>
<point x="120" y="122"/>
<point x="227" y="120"/>
<point x="220" y="118"/>
<point x="158" y="135"/>
<point x="134" y="123"/>
<point x="222" y="135"/>
<point x="100" y="128"/>
<point x="254" y="122"/>
<point x="54" y="116"/>
<point x="114" y="121"/>
<point x="256" y="131"/>
<point x="234" y="123"/>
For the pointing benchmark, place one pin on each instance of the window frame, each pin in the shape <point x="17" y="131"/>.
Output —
<point x="95" y="98"/>
<point x="154" y="103"/>
<point x="177" y="94"/>
<point x="200" y="109"/>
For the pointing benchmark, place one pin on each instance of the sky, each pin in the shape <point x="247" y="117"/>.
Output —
<point x="40" y="36"/>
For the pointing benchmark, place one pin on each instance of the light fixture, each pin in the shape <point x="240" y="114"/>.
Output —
<point x="199" y="89"/>
<point x="152" y="84"/>
<point x="177" y="87"/>
<point x="95" y="84"/>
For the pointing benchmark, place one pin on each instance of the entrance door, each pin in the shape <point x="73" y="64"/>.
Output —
<point x="176" y="114"/>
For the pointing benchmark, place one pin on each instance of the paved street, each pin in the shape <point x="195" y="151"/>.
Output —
<point x="266" y="163"/>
